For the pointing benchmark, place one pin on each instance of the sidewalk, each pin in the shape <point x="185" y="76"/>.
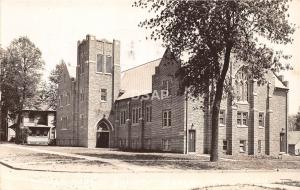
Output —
<point x="116" y="164"/>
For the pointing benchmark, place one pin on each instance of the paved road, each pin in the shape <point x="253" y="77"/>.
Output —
<point x="11" y="179"/>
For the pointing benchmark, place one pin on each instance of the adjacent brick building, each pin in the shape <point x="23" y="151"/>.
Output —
<point x="142" y="108"/>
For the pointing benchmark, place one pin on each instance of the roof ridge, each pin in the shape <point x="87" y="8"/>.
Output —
<point x="141" y="65"/>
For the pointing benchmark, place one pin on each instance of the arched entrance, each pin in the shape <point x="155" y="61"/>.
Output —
<point x="103" y="134"/>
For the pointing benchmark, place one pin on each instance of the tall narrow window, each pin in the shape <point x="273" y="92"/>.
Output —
<point x="239" y="118"/>
<point x="222" y="118"/>
<point x="261" y="119"/>
<point x="259" y="146"/>
<point x="136" y="115"/>
<point x="166" y="87"/>
<point x="81" y="120"/>
<point x="68" y="98"/>
<point x="167" y="118"/>
<point x="103" y="95"/>
<point x="165" y="144"/>
<point x="241" y="85"/>
<point x="224" y="145"/>
<point x="122" y="117"/>
<point x="149" y="113"/>
<point x="245" y="118"/>
<point x="100" y="63"/>
<point x="108" y="64"/>
<point x="82" y="67"/>
<point x="140" y="113"/>
<point x="133" y="115"/>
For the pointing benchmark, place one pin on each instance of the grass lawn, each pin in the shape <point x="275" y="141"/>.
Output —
<point x="151" y="160"/>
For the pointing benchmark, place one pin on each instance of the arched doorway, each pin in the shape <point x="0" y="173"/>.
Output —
<point x="103" y="135"/>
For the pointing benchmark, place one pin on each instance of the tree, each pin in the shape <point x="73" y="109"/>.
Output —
<point x="206" y="35"/>
<point x="291" y="122"/>
<point x="22" y="72"/>
<point x="52" y="87"/>
<point x="297" y="122"/>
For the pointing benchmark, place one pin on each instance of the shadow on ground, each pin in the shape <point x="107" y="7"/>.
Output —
<point x="289" y="182"/>
<point x="175" y="161"/>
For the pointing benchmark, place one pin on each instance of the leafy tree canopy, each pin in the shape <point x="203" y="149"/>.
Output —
<point x="21" y="69"/>
<point x="208" y="34"/>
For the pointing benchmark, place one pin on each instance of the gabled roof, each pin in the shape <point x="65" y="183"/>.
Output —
<point x="278" y="83"/>
<point x="293" y="137"/>
<point x="71" y="69"/>
<point x="138" y="80"/>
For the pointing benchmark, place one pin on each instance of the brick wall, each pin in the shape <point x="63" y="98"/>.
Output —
<point x="66" y="132"/>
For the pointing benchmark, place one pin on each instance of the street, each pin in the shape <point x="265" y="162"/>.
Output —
<point x="36" y="180"/>
<point x="35" y="168"/>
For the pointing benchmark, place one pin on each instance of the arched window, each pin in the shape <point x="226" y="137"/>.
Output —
<point x="241" y="85"/>
<point x="102" y="127"/>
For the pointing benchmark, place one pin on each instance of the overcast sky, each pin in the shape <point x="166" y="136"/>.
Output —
<point x="55" y="26"/>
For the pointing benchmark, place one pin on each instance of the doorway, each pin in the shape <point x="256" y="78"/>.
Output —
<point x="282" y="143"/>
<point x="102" y="139"/>
<point x="192" y="141"/>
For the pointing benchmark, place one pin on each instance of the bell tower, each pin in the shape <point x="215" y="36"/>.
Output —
<point x="98" y="74"/>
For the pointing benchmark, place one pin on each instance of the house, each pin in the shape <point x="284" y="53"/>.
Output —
<point x="142" y="108"/>
<point x="37" y="126"/>
<point x="294" y="143"/>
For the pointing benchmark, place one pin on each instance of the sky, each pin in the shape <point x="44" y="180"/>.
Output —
<point x="55" y="26"/>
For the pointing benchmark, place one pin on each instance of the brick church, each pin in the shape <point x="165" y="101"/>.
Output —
<point x="141" y="108"/>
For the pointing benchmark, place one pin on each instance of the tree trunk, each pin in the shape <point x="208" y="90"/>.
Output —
<point x="18" y="129"/>
<point x="214" y="154"/>
<point x="4" y="116"/>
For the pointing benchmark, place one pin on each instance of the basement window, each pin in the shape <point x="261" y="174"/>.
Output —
<point x="242" y="146"/>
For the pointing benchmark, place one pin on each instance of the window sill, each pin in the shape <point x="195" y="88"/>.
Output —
<point x="261" y="127"/>
<point x="222" y="125"/>
<point x="243" y="102"/>
<point x="103" y="73"/>
<point x="103" y="101"/>
<point x="166" y="127"/>
<point x="242" y="126"/>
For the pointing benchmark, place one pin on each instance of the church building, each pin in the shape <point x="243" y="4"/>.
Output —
<point x="142" y="109"/>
